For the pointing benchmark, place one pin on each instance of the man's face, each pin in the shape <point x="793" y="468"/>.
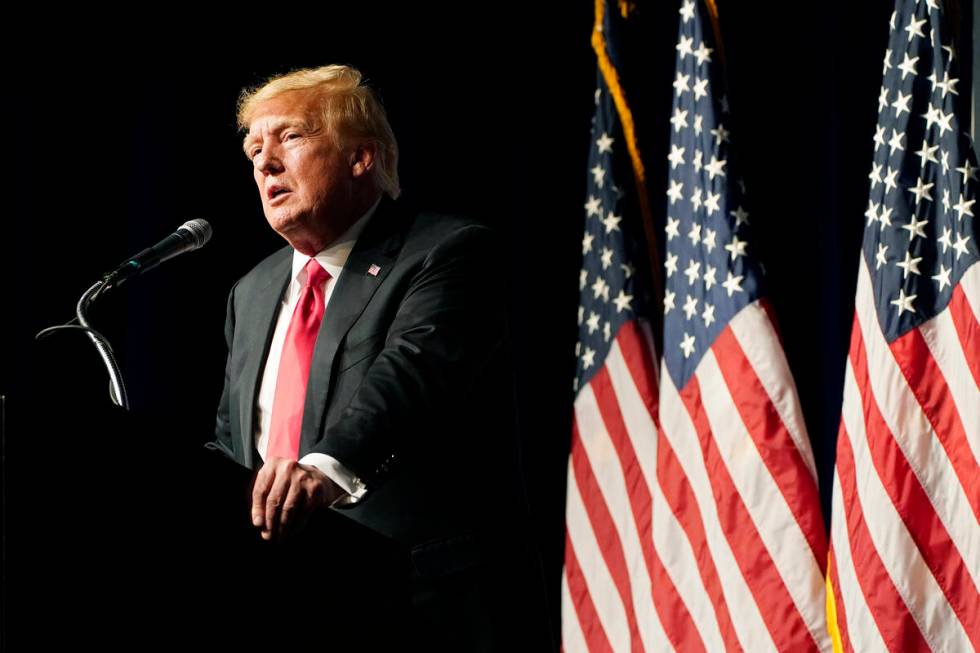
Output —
<point x="303" y="179"/>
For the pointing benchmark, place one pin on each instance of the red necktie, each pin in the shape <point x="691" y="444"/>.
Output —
<point x="294" y="365"/>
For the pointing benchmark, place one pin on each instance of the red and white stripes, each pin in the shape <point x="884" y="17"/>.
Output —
<point x="704" y="533"/>
<point x="905" y="533"/>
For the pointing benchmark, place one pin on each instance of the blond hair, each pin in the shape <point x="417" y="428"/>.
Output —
<point x="348" y="109"/>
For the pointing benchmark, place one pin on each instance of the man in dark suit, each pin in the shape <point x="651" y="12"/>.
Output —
<point x="368" y="373"/>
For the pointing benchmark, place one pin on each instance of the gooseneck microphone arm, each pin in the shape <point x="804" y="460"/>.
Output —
<point x="117" y="387"/>
<point x="189" y="236"/>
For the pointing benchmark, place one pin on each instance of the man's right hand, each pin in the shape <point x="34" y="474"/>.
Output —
<point x="285" y="496"/>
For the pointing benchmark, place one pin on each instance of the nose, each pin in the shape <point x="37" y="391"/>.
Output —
<point x="267" y="160"/>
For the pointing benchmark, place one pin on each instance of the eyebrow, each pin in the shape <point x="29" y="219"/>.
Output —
<point x="276" y="127"/>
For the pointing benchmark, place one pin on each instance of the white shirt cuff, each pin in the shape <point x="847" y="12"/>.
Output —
<point x="339" y="474"/>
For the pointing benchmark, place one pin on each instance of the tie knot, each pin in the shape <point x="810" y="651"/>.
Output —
<point x="315" y="274"/>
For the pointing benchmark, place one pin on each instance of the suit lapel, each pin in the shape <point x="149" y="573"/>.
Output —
<point x="367" y="266"/>
<point x="260" y="312"/>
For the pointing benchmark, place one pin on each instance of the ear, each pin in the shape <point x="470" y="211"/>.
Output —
<point x="362" y="159"/>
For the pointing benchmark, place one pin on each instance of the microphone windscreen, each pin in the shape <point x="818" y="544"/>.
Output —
<point x="199" y="230"/>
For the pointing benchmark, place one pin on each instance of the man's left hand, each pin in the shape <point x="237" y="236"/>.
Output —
<point x="286" y="494"/>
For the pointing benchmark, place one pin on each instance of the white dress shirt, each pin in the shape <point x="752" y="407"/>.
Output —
<point x="332" y="259"/>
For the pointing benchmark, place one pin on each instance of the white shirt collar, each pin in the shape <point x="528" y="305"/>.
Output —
<point x="335" y="255"/>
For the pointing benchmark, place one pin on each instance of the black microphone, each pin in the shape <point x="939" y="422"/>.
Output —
<point x="189" y="236"/>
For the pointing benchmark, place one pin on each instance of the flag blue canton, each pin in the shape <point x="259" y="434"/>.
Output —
<point x="608" y="278"/>
<point x="709" y="268"/>
<point x="920" y="233"/>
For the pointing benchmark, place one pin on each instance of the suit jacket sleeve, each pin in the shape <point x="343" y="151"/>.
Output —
<point x="222" y="427"/>
<point x="448" y="324"/>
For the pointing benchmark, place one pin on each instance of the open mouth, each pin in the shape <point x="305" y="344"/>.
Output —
<point x="277" y="191"/>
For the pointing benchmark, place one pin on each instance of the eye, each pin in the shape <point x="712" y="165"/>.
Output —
<point x="291" y="136"/>
<point x="254" y="152"/>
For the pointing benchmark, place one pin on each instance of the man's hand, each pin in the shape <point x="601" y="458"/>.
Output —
<point x="286" y="494"/>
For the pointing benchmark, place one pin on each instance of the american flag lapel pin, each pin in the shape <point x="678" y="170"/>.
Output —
<point x="373" y="270"/>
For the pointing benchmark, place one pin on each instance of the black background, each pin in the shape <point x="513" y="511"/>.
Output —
<point x="124" y="128"/>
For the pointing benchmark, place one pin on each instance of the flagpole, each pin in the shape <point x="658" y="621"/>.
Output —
<point x="716" y="28"/>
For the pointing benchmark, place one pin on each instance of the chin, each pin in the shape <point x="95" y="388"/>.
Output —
<point x="294" y="232"/>
<point x="283" y="224"/>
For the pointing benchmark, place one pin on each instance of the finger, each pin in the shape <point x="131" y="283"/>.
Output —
<point x="293" y="505"/>
<point x="259" y="492"/>
<point x="273" y="502"/>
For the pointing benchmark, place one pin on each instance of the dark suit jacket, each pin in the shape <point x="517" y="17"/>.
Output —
<point x="410" y="385"/>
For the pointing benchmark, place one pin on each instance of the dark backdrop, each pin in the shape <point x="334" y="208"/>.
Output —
<point x="120" y="134"/>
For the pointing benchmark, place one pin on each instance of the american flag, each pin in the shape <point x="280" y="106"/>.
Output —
<point x="905" y="534"/>
<point x="734" y="455"/>
<point x="694" y="525"/>
<point x="612" y="561"/>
